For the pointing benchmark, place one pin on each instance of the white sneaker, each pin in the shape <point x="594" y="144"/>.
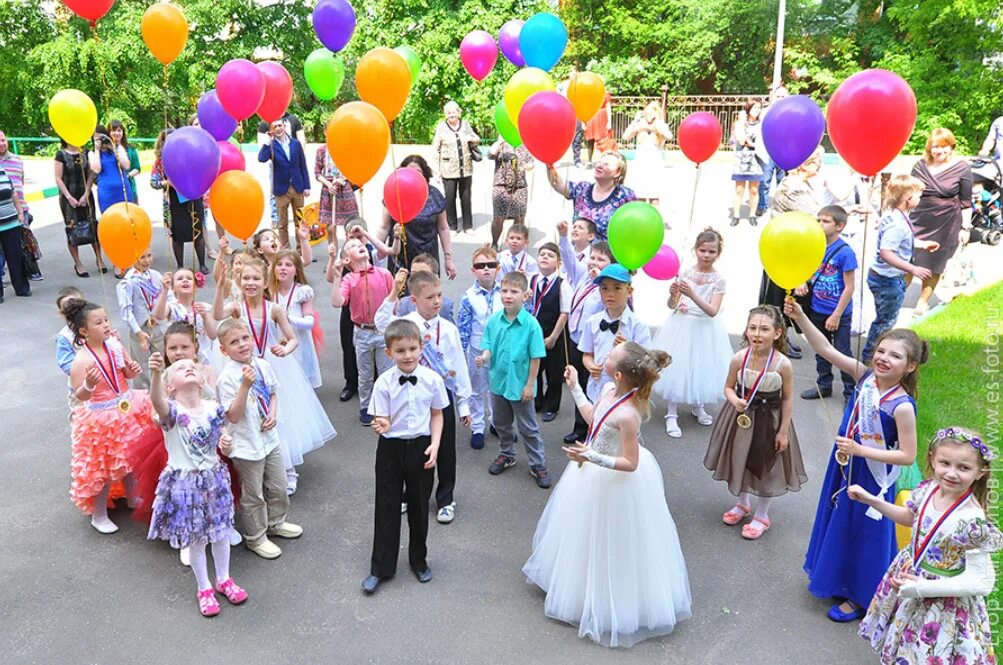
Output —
<point x="403" y="507"/>
<point x="266" y="549"/>
<point x="186" y="556"/>
<point x="235" y="538"/>
<point x="702" y="416"/>
<point x="672" y="427"/>
<point x="446" y="513"/>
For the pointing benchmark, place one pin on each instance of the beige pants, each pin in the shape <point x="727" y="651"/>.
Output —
<point x="263" y="499"/>
<point x="156" y="333"/>
<point x="282" y="203"/>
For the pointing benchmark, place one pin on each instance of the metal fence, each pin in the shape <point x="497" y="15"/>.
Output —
<point x="35" y="145"/>
<point x="676" y="107"/>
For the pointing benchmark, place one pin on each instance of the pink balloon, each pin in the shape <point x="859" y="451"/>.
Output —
<point x="663" y="265"/>
<point x="478" y="53"/>
<point x="231" y="157"/>
<point x="240" y="87"/>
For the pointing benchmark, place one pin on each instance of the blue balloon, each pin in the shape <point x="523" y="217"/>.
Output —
<point x="792" y="129"/>
<point x="542" y="41"/>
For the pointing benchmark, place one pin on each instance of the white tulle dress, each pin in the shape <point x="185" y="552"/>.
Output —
<point x="606" y="550"/>
<point x="305" y="353"/>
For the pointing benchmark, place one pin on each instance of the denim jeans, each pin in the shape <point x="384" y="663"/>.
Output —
<point x="769" y="170"/>
<point x="889" y="292"/>
<point x="840" y="338"/>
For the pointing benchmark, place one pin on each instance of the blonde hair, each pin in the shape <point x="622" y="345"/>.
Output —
<point x="710" y="234"/>
<point x="653" y="106"/>
<point x="640" y="368"/>
<point x="938" y="137"/>
<point x="622" y="162"/>
<point x="229" y="325"/>
<point x="900" y="188"/>
<point x="487" y="251"/>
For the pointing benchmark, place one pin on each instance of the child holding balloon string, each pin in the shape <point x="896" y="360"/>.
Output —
<point x="183" y="284"/>
<point x="290" y="289"/>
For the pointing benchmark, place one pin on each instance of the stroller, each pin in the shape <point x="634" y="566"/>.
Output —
<point x="987" y="209"/>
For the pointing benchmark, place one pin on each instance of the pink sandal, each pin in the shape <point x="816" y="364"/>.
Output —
<point x="231" y="591"/>
<point x="208" y="605"/>
<point x="731" y="519"/>
<point x="752" y="532"/>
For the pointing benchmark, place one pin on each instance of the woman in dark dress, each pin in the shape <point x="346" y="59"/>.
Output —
<point x="76" y="202"/>
<point x="944" y="208"/>
<point x="183" y="219"/>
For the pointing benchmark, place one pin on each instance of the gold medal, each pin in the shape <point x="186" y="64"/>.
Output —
<point x="743" y="421"/>
<point x="125" y="406"/>
<point x="842" y="458"/>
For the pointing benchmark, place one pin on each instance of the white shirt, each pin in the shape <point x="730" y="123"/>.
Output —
<point x="521" y="262"/>
<point x="447" y="338"/>
<point x="599" y="343"/>
<point x="576" y="264"/>
<point x="482" y="304"/>
<point x="249" y="442"/>
<point x="408" y="406"/>
<point x="538" y="291"/>
<point x="586" y="302"/>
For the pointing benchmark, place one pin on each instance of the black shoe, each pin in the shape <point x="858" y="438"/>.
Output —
<point x="542" y="476"/>
<point x="491" y="428"/>
<point x="815" y="393"/>
<point x="753" y="221"/>
<point x="734" y="221"/>
<point x="501" y="463"/>
<point x="424" y="575"/>
<point x="83" y="274"/>
<point x="573" y="438"/>
<point x="371" y="583"/>
<point x="26" y="294"/>
<point x="549" y="416"/>
<point x="760" y="213"/>
<point x="347" y="393"/>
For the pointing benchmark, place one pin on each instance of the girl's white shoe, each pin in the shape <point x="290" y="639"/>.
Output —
<point x="186" y="556"/>
<point x="702" y="416"/>
<point x="672" y="427"/>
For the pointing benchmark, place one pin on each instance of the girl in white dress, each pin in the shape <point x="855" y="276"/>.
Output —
<point x="290" y="290"/>
<point x="184" y="283"/>
<point x="606" y="550"/>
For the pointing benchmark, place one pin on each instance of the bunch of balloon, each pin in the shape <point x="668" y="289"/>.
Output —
<point x="699" y="138"/>
<point x="334" y="24"/>
<point x="124" y="232"/>
<point x="165" y="32"/>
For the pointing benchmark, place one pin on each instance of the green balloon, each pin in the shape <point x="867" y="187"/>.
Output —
<point x="506" y="127"/>
<point x="324" y="73"/>
<point x="636" y="231"/>
<point x="413" y="61"/>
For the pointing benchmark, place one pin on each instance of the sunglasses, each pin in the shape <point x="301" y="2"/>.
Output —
<point x="486" y="264"/>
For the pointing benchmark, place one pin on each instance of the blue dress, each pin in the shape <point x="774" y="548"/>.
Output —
<point x="113" y="184"/>
<point x="849" y="552"/>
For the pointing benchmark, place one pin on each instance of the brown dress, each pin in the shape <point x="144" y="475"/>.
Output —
<point x="938" y="215"/>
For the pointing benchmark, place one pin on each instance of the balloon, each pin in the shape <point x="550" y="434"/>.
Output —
<point x="237" y="202"/>
<point x="413" y="61"/>
<point x="124" y="232"/>
<point x="231" y="157"/>
<point x="523" y="84"/>
<point x="73" y="116"/>
<point x="635" y="232"/>
<point x="358" y="138"/>
<point x="91" y="10"/>
<point x="334" y="23"/>
<point x="547" y="125"/>
<point x="792" y="129"/>
<point x="405" y="193"/>
<point x="586" y="92"/>
<point x="508" y="40"/>
<point x="542" y="40"/>
<point x="240" y="87"/>
<point x="871" y="116"/>
<point x="278" y="91"/>
<point x="213" y="117"/>
<point x="165" y="31"/>
<point x="324" y="73"/>
<point x="384" y="80"/>
<point x="506" y="128"/>
<point x="699" y="136"/>
<point x="664" y="264"/>
<point x="191" y="161"/>
<point x="791" y="248"/>
<point x="478" y="53"/>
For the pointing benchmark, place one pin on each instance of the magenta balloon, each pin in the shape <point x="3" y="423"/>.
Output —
<point x="231" y="157"/>
<point x="334" y="23"/>
<point x="508" y="40"/>
<point x="663" y="265"/>
<point x="213" y="117"/>
<point x="191" y="161"/>
<point x="240" y="86"/>
<point x="478" y="53"/>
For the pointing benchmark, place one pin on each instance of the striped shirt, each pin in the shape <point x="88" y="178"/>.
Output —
<point x="8" y="213"/>
<point x="14" y="167"/>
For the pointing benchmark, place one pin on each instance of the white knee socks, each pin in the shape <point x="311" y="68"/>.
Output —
<point x="99" y="517"/>
<point x="763" y="507"/>
<point x="200" y="566"/>
<point x="221" y="559"/>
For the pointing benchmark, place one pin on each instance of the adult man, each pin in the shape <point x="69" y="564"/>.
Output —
<point x="770" y="169"/>
<point x="290" y="178"/>
<point x="993" y="145"/>
<point x="14" y="168"/>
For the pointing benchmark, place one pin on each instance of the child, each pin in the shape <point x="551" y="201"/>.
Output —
<point x="550" y="303"/>
<point x="407" y="406"/>
<point x="896" y="243"/>
<point x="248" y="392"/>
<point x="363" y="290"/>
<point x="516" y="258"/>
<point x="194" y="506"/>
<point x="289" y="289"/>
<point x="67" y="344"/>
<point x="575" y="254"/>
<point x="606" y="551"/>
<point x="753" y="446"/>
<point x="396" y="306"/>
<point x="479" y="302"/>
<point x="137" y="295"/>
<point x="266" y="244"/>
<point x="695" y="337"/>
<point x="851" y="547"/>
<point x="930" y="606"/>
<point x="513" y="346"/>
<point x="183" y="284"/>
<point x="831" y="304"/>
<point x="110" y="417"/>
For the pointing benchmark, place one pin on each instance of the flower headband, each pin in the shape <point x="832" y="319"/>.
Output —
<point x="961" y="435"/>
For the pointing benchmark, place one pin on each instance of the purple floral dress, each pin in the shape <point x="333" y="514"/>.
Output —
<point x="935" y="631"/>
<point x="598" y="211"/>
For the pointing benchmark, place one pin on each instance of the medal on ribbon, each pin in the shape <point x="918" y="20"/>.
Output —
<point x="743" y="420"/>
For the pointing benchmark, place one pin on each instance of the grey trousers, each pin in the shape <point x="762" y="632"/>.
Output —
<point x="263" y="499"/>
<point x="371" y="359"/>
<point x="156" y="333"/>
<point x="523" y="414"/>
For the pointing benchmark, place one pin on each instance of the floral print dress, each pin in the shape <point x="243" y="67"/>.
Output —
<point x="935" y="631"/>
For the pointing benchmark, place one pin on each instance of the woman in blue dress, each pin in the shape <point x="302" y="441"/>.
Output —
<point x="110" y="165"/>
<point x="852" y="545"/>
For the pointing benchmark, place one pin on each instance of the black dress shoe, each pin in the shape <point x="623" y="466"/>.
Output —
<point x="573" y="438"/>
<point x="549" y="416"/>
<point x="347" y="393"/>
<point x="814" y="393"/>
<point x="371" y="583"/>
<point x="424" y="575"/>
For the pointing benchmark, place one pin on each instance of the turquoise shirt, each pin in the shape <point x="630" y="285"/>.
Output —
<point x="513" y="344"/>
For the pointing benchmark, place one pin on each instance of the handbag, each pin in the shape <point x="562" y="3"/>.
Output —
<point x="81" y="232"/>
<point x="30" y="253"/>
<point x="475" y="152"/>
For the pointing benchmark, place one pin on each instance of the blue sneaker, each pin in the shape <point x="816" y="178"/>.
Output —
<point x="477" y="441"/>
<point x="365" y="418"/>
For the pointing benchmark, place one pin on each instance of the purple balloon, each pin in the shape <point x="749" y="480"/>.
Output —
<point x="191" y="161"/>
<point x="792" y="129"/>
<point x="334" y="23"/>
<point x="213" y="117"/>
<point x="508" y="40"/>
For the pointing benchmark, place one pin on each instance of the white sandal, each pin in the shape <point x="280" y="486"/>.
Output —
<point x="702" y="417"/>
<point x="672" y="427"/>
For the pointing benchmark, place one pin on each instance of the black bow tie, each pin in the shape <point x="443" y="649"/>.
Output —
<point x="413" y="380"/>
<point x="612" y="327"/>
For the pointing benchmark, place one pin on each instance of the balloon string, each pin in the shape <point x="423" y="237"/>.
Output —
<point x="165" y="95"/>
<point x="196" y="231"/>
<point x="693" y="203"/>
<point x="863" y="259"/>
<point x="100" y="63"/>
<point x="397" y="195"/>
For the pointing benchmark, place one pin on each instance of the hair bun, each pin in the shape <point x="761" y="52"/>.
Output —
<point x="72" y="307"/>
<point x="660" y="358"/>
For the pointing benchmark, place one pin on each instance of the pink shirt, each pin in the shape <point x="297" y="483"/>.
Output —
<point x="365" y="291"/>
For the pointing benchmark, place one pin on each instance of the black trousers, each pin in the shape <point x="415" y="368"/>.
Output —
<point x="400" y="476"/>
<point x="346" y="331"/>
<point x="461" y="185"/>
<point x="10" y="246"/>
<point x="581" y="427"/>
<point x="553" y="367"/>
<point x="445" y="465"/>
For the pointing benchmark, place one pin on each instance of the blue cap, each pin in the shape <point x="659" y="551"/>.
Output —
<point x="613" y="271"/>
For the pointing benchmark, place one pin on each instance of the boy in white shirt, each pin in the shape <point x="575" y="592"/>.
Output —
<point x="516" y="258"/>
<point x="549" y="303"/>
<point x="575" y="253"/>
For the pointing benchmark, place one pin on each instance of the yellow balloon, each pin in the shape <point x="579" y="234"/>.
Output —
<point x="525" y="83"/>
<point x="903" y="534"/>
<point x="791" y="248"/>
<point x="73" y="116"/>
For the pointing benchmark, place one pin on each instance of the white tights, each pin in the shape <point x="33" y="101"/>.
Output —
<point x="762" y="508"/>
<point x="220" y="559"/>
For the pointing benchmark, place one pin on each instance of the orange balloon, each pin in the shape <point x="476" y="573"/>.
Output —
<point x="384" y="80"/>
<point x="586" y="92"/>
<point x="237" y="202"/>
<point x="358" y="138"/>
<point x="165" y="31"/>
<point x="124" y="232"/>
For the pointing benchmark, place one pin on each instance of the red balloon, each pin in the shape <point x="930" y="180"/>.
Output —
<point x="547" y="125"/>
<point x="871" y="116"/>
<point x="231" y="157"/>
<point x="699" y="136"/>
<point x="91" y="10"/>
<point x="278" y="91"/>
<point x="405" y="193"/>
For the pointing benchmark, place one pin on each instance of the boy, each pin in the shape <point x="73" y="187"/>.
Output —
<point x="407" y="409"/>
<point x="575" y="254"/>
<point x="550" y="303"/>
<point x="830" y="308"/>
<point x="248" y="390"/>
<point x="614" y="325"/>
<point x="66" y="344"/>
<point x="394" y="306"/>
<point x="513" y="347"/>
<point x="516" y="258"/>
<point x="363" y="289"/>
<point x="478" y="304"/>
<point x="138" y="292"/>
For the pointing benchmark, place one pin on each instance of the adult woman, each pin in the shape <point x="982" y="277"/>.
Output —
<point x="183" y="219"/>
<point x="337" y="196"/>
<point x="652" y="134"/>
<point x="510" y="192"/>
<point x="944" y="208"/>
<point x="598" y="128"/>
<point x="453" y="144"/>
<point x="11" y="221"/>
<point x="599" y="200"/>
<point x="118" y="137"/>
<point x="76" y="202"/>
<point x="110" y="164"/>
<point x="748" y="171"/>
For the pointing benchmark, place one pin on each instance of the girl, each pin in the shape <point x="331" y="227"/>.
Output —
<point x="194" y="506"/>
<point x="111" y="417"/>
<point x="183" y="284"/>
<point x="290" y="290"/>
<point x="850" y="550"/>
<point x="694" y="334"/>
<point x="606" y="550"/>
<point x="930" y="606"/>
<point x="266" y="244"/>
<point x="753" y="446"/>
